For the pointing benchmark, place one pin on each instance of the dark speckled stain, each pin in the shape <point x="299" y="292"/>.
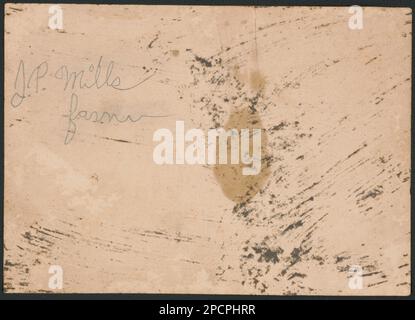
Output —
<point x="268" y="255"/>
<point x="243" y="94"/>
<point x="235" y="98"/>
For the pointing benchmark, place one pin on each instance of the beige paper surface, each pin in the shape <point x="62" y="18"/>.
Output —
<point x="88" y="210"/>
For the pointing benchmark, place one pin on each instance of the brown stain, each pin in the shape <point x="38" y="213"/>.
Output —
<point x="236" y="186"/>
<point x="256" y="80"/>
<point x="175" y="52"/>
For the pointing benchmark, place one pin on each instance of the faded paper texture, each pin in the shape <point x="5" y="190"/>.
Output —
<point x="88" y="210"/>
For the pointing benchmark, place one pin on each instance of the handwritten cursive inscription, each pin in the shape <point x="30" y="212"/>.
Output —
<point x="98" y="117"/>
<point x="22" y="85"/>
<point x="79" y="79"/>
<point x="95" y="76"/>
